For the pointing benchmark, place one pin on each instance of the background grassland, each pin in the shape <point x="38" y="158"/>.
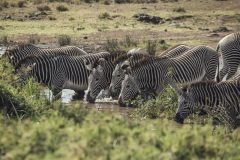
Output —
<point x="33" y="128"/>
<point x="38" y="129"/>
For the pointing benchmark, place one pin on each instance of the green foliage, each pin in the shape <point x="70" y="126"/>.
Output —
<point x="47" y="130"/>
<point x="62" y="8"/>
<point x="163" y="107"/>
<point x="64" y="40"/>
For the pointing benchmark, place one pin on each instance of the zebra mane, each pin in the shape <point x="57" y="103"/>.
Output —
<point x="110" y="57"/>
<point x="25" y="60"/>
<point x="169" y="49"/>
<point x="121" y="58"/>
<point x="147" y="60"/>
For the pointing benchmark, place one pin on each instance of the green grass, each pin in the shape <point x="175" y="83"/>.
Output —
<point x="57" y="131"/>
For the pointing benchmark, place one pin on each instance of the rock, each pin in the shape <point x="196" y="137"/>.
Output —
<point x="181" y="17"/>
<point x="221" y="29"/>
<point x="149" y="19"/>
<point x="214" y="35"/>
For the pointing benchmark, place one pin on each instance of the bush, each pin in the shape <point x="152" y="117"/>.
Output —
<point x="51" y="18"/>
<point x="21" y="4"/>
<point x="4" y="40"/>
<point x="34" y="39"/>
<point x="111" y="45"/>
<point x="180" y="9"/>
<point x="4" y="4"/>
<point x="129" y="42"/>
<point x="151" y="47"/>
<point x="43" y="8"/>
<point x="107" y="2"/>
<point x="62" y="8"/>
<point x="104" y="15"/>
<point x="64" y="40"/>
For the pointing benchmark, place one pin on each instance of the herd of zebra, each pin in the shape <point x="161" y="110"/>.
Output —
<point x="192" y="71"/>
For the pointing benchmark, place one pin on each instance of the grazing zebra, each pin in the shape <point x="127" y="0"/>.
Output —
<point x="229" y="47"/>
<point x="208" y="96"/>
<point x="20" y="52"/>
<point x="102" y="69"/>
<point x="62" y="72"/>
<point x="118" y="73"/>
<point x="153" y="75"/>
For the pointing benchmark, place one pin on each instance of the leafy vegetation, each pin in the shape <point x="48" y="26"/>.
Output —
<point x="44" y="130"/>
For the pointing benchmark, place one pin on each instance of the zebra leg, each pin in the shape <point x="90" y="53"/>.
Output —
<point x="223" y="72"/>
<point x="79" y="95"/>
<point x="57" y="93"/>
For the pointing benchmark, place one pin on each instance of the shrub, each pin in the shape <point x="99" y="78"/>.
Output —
<point x="112" y="45"/>
<point x="4" y="40"/>
<point x="62" y="8"/>
<point x="64" y="40"/>
<point x="21" y="4"/>
<point x="71" y="19"/>
<point x="34" y="39"/>
<point x="180" y="9"/>
<point x="4" y="4"/>
<point x="104" y="15"/>
<point x="107" y="2"/>
<point x="51" y="18"/>
<point x="151" y="47"/>
<point x="43" y="8"/>
<point x="129" y="42"/>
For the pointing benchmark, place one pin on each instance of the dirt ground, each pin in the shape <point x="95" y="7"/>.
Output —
<point x="199" y="22"/>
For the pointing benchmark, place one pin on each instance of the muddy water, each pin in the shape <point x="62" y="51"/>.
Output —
<point x="105" y="104"/>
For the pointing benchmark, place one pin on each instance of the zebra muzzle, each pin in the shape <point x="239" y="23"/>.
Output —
<point x="178" y="118"/>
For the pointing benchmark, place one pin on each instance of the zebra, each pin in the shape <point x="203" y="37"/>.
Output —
<point x="62" y="72"/>
<point x="209" y="95"/>
<point x="21" y="51"/>
<point x="229" y="47"/>
<point x="152" y="76"/>
<point x="101" y="72"/>
<point x="118" y="73"/>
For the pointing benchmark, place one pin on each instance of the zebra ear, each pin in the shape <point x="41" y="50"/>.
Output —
<point x="125" y="65"/>
<point x="102" y="62"/>
<point x="127" y="70"/>
<point x="88" y="65"/>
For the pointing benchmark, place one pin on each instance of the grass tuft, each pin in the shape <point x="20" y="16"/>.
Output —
<point x="62" y="8"/>
<point x="64" y="40"/>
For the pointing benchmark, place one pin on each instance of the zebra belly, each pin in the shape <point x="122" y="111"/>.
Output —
<point x="70" y="85"/>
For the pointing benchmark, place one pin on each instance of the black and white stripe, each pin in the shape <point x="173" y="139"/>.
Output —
<point x="195" y="65"/>
<point x="209" y="96"/>
<point x="229" y="47"/>
<point x="20" y="52"/>
<point x="118" y="73"/>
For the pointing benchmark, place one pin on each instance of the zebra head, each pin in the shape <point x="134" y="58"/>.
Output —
<point x="15" y="54"/>
<point x="97" y="80"/>
<point x="116" y="82"/>
<point x="129" y="89"/>
<point x="185" y="105"/>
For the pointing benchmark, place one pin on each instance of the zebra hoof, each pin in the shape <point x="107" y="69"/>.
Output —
<point x="120" y="102"/>
<point x="89" y="98"/>
<point x="179" y="119"/>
